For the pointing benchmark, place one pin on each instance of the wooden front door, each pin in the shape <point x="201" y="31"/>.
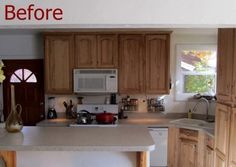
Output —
<point x="27" y="77"/>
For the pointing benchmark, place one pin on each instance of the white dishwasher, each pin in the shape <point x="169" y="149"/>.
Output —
<point x="158" y="157"/>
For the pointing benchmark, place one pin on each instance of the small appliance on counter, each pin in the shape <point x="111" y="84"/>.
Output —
<point x="98" y="115"/>
<point x="52" y="114"/>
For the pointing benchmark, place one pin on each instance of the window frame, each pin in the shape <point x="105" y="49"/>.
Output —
<point x="179" y="75"/>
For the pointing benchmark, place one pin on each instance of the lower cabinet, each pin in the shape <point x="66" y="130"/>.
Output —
<point x="220" y="160"/>
<point x="232" y="144"/>
<point x="187" y="153"/>
<point x="189" y="148"/>
<point x="209" y="152"/>
<point x="209" y="161"/>
<point x="8" y="158"/>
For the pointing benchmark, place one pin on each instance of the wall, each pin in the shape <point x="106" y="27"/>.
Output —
<point x="30" y="46"/>
<point x="185" y="38"/>
<point x="21" y="46"/>
<point x="131" y="13"/>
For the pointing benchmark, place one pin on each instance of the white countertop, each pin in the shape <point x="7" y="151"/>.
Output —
<point x="137" y="120"/>
<point x="59" y="122"/>
<point x="77" y="139"/>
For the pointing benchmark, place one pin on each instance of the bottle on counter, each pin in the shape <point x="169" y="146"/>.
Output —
<point x="190" y="114"/>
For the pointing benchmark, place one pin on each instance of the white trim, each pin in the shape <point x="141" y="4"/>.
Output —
<point x="179" y="81"/>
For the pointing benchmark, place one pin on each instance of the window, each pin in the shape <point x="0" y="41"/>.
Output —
<point x="196" y="70"/>
<point x="23" y="75"/>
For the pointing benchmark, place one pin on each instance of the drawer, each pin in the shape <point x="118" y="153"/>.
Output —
<point x="188" y="134"/>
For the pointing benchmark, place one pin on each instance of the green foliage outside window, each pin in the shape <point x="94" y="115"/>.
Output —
<point x="199" y="83"/>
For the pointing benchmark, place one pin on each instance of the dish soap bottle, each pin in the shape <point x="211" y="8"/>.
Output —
<point x="189" y="114"/>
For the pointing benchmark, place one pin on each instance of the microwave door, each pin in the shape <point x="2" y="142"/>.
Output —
<point x="91" y="84"/>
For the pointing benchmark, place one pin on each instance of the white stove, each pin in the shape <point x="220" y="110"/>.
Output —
<point x="88" y="113"/>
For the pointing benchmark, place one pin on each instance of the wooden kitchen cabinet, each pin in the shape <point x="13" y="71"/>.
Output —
<point x="173" y="147"/>
<point x="232" y="145"/>
<point x="85" y="51"/>
<point x="188" y="148"/>
<point x="185" y="148"/>
<point x="188" y="153"/>
<point x="96" y="51"/>
<point x="222" y="133"/>
<point x="222" y="129"/>
<point x="59" y="56"/>
<point x="131" y="51"/>
<point x="9" y="158"/>
<point x="209" y="152"/>
<point x="107" y="53"/>
<point x="157" y="64"/>
<point x="220" y="160"/>
<point x="226" y="66"/>
<point x="144" y="64"/>
<point x="209" y="161"/>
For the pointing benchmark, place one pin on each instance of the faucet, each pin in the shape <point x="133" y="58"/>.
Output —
<point x="202" y="99"/>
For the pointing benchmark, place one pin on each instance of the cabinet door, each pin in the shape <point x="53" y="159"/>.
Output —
<point x="9" y="157"/>
<point x="173" y="146"/>
<point x="157" y="64"/>
<point x="232" y="147"/>
<point x="59" y="63"/>
<point x="219" y="160"/>
<point x="234" y="72"/>
<point x="85" y="51"/>
<point x="222" y="127"/>
<point x="107" y="51"/>
<point x="187" y="153"/>
<point x="131" y="64"/>
<point x="209" y="161"/>
<point x="225" y="64"/>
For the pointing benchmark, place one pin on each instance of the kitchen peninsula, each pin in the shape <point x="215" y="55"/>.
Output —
<point x="86" y="147"/>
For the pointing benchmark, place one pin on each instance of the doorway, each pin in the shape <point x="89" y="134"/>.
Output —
<point x="28" y="79"/>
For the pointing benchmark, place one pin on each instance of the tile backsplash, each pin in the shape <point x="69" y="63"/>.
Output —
<point x="142" y="101"/>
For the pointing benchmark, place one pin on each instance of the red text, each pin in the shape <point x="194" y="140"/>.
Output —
<point x="32" y="13"/>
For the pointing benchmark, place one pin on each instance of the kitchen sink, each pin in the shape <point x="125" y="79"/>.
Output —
<point x="194" y="123"/>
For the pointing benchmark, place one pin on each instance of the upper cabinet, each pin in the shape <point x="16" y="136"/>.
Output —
<point x="225" y="59"/>
<point x="142" y="59"/>
<point x="96" y="51"/>
<point x="131" y="53"/>
<point x="59" y="55"/>
<point x="85" y="51"/>
<point x="107" y="51"/>
<point x="144" y="64"/>
<point x="157" y="64"/>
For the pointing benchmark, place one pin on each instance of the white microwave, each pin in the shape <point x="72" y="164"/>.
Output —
<point x="95" y="80"/>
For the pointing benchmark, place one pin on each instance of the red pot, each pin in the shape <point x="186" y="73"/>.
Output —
<point x="105" y="118"/>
